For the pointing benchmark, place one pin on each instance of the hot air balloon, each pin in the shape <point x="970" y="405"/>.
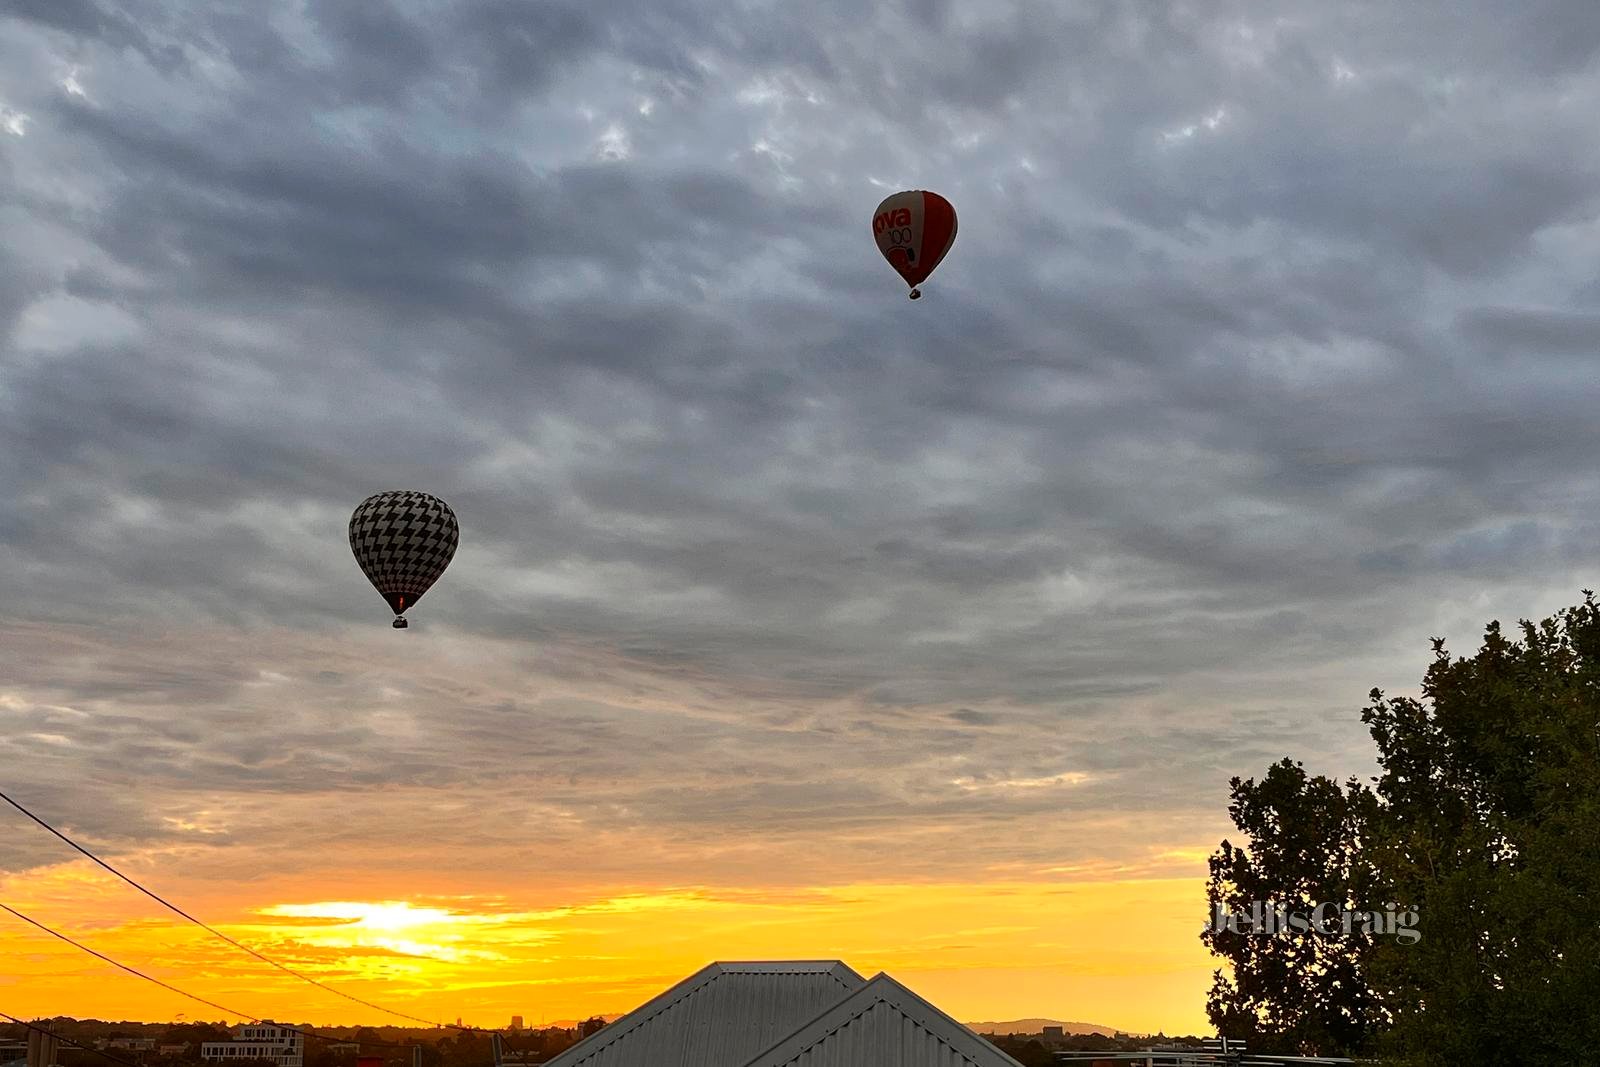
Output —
<point x="914" y="230"/>
<point x="403" y="542"/>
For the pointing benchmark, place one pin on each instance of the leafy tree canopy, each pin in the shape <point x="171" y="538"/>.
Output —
<point x="1484" y="820"/>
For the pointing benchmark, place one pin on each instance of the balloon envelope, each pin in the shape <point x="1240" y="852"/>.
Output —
<point x="914" y="230"/>
<point x="403" y="542"/>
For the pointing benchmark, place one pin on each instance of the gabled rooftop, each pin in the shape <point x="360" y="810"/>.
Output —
<point x="883" y="1024"/>
<point x="719" y="1016"/>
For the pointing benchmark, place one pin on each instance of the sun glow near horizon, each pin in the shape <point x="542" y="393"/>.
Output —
<point x="1119" y="952"/>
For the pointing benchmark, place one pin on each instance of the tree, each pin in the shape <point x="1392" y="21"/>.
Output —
<point x="1490" y="813"/>
<point x="1482" y="825"/>
<point x="467" y="1049"/>
<point x="1029" y="1053"/>
<point x="1292" y="989"/>
<point x="194" y="1035"/>
<point x="319" y="1054"/>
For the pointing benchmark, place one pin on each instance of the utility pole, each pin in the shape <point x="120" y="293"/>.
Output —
<point x="41" y="1049"/>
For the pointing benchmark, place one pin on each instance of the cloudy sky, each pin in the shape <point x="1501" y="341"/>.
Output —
<point x="790" y="618"/>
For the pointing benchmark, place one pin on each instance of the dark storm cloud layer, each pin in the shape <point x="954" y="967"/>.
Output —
<point x="1265" y="352"/>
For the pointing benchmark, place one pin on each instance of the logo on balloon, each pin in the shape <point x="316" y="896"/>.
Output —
<point x="898" y="217"/>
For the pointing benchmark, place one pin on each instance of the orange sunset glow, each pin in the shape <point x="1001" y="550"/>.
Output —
<point x="992" y="951"/>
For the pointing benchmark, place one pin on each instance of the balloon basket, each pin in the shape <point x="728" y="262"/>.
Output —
<point x="916" y="294"/>
<point x="400" y="623"/>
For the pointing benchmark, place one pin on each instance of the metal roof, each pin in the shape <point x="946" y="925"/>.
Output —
<point x="882" y="1024"/>
<point x="719" y="1016"/>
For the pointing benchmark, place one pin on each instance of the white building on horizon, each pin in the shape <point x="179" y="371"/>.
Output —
<point x="282" y="1045"/>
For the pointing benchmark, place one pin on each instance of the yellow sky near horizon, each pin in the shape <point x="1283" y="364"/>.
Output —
<point x="1080" y="944"/>
<point x="464" y="849"/>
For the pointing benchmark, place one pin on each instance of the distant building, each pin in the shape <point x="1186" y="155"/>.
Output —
<point x="133" y="1044"/>
<point x="172" y="1050"/>
<point x="516" y="1022"/>
<point x="1054" y="1033"/>
<point x="282" y="1045"/>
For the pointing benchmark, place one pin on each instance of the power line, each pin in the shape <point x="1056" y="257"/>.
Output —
<point x="125" y="967"/>
<point x="182" y="993"/>
<point x="69" y="1042"/>
<point x="219" y="934"/>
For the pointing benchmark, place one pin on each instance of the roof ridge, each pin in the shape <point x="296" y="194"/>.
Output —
<point x="693" y="986"/>
<point x="784" y="966"/>
<point x="636" y="1018"/>
<point x="880" y="989"/>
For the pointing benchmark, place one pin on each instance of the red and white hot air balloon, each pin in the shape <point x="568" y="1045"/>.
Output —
<point x="914" y="230"/>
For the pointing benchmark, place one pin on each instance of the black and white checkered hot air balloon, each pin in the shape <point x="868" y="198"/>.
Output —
<point x="403" y="542"/>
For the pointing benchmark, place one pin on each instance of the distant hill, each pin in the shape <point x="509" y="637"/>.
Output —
<point x="1035" y="1026"/>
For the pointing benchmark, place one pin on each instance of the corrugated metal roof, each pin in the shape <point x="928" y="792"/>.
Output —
<point x="717" y="1017"/>
<point x="882" y="1024"/>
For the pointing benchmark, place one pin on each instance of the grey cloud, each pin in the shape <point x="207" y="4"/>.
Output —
<point x="381" y="51"/>
<point x="78" y="17"/>
<point x="1525" y="332"/>
<point x="89" y="19"/>
<point x="521" y="48"/>
<point x="763" y="551"/>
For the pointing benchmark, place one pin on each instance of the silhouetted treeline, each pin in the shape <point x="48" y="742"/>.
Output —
<point x="1033" y="1052"/>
